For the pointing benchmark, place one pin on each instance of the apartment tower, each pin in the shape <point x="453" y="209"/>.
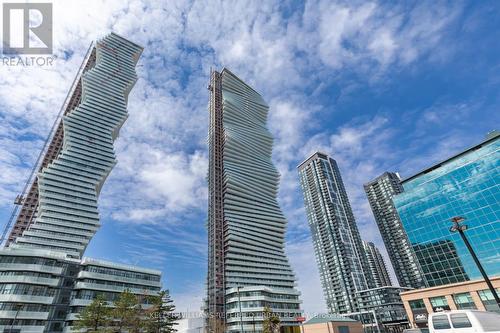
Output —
<point x="336" y="239"/>
<point x="380" y="193"/>
<point x="376" y="264"/>
<point x="247" y="266"/>
<point x="44" y="279"/>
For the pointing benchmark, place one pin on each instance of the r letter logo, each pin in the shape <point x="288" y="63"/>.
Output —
<point x="19" y="20"/>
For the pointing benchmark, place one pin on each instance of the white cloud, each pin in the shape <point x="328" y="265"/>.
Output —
<point x="176" y="180"/>
<point x="161" y="151"/>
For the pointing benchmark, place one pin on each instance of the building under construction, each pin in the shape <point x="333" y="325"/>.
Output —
<point x="26" y="204"/>
<point x="44" y="279"/>
<point x="247" y="266"/>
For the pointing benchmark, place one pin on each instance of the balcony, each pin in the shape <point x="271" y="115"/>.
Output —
<point x="34" y="268"/>
<point x="24" y="315"/>
<point x="23" y="329"/>
<point x="80" y="302"/>
<point x="72" y="316"/>
<point x="26" y="299"/>
<point x="117" y="289"/>
<point x="108" y="277"/>
<point x="30" y="280"/>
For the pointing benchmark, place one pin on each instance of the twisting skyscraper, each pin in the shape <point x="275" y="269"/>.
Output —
<point x="44" y="281"/>
<point x="247" y="266"/>
<point x="336" y="239"/>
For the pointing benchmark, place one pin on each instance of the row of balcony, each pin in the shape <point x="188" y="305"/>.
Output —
<point x="29" y="279"/>
<point x="24" y="315"/>
<point x="109" y="277"/>
<point x="23" y="329"/>
<point x="31" y="268"/>
<point x="13" y="298"/>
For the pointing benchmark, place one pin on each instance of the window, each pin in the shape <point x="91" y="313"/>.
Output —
<point x="440" y="322"/>
<point x="464" y="301"/>
<point x="343" y="329"/>
<point x="417" y="304"/>
<point x="439" y="303"/>
<point x="488" y="300"/>
<point x="460" y="320"/>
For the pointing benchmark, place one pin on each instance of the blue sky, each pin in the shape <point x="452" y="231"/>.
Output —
<point x="379" y="86"/>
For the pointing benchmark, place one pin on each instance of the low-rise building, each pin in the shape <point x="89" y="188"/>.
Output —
<point x="386" y="304"/>
<point x="475" y="295"/>
<point x="43" y="291"/>
<point x="332" y="323"/>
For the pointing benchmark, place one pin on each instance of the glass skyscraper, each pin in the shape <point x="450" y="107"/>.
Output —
<point x="466" y="185"/>
<point x="44" y="281"/>
<point x="380" y="192"/>
<point x="247" y="266"/>
<point x="336" y="239"/>
<point x="376" y="265"/>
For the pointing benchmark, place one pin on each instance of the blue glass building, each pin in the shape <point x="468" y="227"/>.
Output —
<point x="466" y="185"/>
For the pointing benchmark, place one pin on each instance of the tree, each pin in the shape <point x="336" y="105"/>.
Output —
<point x="271" y="323"/>
<point x="127" y="313"/>
<point x="95" y="317"/>
<point x="161" y="318"/>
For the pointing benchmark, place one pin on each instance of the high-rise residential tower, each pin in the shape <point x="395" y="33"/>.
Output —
<point x="44" y="281"/>
<point x="376" y="264"/>
<point x="336" y="239"/>
<point x="466" y="185"/>
<point x="247" y="266"/>
<point x="380" y="192"/>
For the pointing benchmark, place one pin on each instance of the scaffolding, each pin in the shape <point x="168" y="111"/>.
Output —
<point x="215" y="277"/>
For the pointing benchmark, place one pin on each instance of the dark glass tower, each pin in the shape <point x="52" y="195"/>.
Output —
<point x="376" y="265"/>
<point x="337" y="242"/>
<point x="380" y="192"/>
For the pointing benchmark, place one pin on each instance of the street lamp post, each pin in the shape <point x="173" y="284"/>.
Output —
<point x="239" y="304"/>
<point x="460" y="228"/>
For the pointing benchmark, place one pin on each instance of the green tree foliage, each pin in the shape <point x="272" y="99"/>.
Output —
<point x="127" y="313"/>
<point x="160" y="317"/>
<point x="271" y="323"/>
<point x="95" y="317"/>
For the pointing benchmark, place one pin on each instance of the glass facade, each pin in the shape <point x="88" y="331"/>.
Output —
<point x="465" y="185"/>
<point x="387" y="304"/>
<point x="376" y="265"/>
<point x="380" y="192"/>
<point x="340" y="255"/>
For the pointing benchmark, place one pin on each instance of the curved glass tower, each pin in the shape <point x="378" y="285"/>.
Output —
<point x="247" y="267"/>
<point x="44" y="281"/>
<point x="68" y="188"/>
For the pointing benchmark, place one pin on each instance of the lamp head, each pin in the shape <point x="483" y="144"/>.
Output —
<point x="457" y="219"/>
